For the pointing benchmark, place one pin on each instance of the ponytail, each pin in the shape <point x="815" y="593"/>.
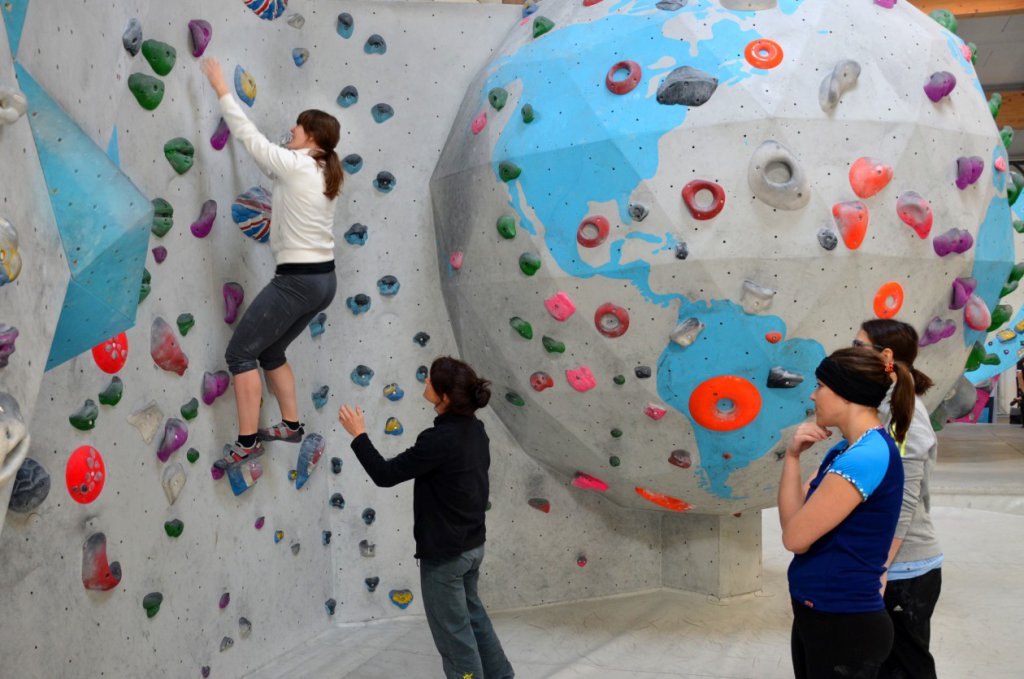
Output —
<point x="333" y="175"/>
<point x="325" y="131"/>
<point x="902" y="401"/>
<point x="922" y="382"/>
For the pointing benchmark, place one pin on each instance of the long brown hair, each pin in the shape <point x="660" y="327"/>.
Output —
<point x="869" y="365"/>
<point x="466" y="391"/>
<point x="325" y="131"/>
<point x="901" y="339"/>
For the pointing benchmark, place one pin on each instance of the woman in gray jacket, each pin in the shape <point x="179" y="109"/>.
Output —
<point x="914" y="576"/>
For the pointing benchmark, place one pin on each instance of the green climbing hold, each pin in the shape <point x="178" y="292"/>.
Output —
<point x="553" y="346"/>
<point x="1013" y="280"/>
<point x="146" y="285"/>
<point x="148" y="91"/>
<point x="163" y="217"/>
<point x="160" y="56"/>
<point x="616" y="433"/>
<point x="508" y="170"/>
<point x="84" y="418"/>
<point x="180" y="154"/>
<point x="974" y="52"/>
<point x="1006" y="134"/>
<point x="488" y="507"/>
<point x="528" y="114"/>
<point x="192" y="455"/>
<point x="542" y="25"/>
<point x="995" y="102"/>
<point x="614" y="461"/>
<point x="1018" y="225"/>
<point x="190" y="409"/>
<point x="1001" y="314"/>
<point x="507" y="227"/>
<point x="990" y="359"/>
<point x="1014" y="186"/>
<point x="498" y="96"/>
<point x="185" y="323"/>
<point x="529" y="263"/>
<point x="619" y="380"/>
<point x="151" y="602"/>
<point x="522" y="327"/>
<point x="974" y="359"/>
<point x="174" y="528"/>
<point x="515" y="399"/>
<point x="111" y="396"/>
<point x="945" y="19"/>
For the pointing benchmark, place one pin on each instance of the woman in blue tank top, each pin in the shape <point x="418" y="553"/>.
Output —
<point x="841" y="524"/>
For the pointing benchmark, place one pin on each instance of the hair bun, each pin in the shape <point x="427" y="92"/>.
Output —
<point x="482" y="393"/>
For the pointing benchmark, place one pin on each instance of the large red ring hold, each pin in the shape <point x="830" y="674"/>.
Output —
<point x="629" y="83"/>
<point x="585" y="235"/>
<point x="741" y="396"/>
<point x="690" y="198"/>
<point x="611" y="320"/>
<point x="763" y="53"/>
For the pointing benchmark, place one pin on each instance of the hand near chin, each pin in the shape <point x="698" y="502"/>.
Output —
<point x="807" y="434"/>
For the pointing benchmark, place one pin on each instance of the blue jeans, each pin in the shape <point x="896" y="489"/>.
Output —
<point x="278" y="315"/>
<point x="462" y="631"/>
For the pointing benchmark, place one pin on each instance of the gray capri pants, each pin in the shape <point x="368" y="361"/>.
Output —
<point x="278" y="315"/>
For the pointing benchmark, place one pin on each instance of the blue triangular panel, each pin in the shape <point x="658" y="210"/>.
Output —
<point x="113" y="151"/>
<point x="14" y="19"/>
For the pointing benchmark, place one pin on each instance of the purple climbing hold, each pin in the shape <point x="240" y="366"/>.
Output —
<point x="159" y="254"/>
<point x="887" y="4"/>
<point x="8" y="333"/>
<point x="220" y="136"/>
<point x="200" y="31"/>
<point x="207" y="214"/>
<point x="214" y="384"/>
<point x="939" y="85"/>
<point x="251" y="211"/>
<point x="963" y="288"/>
<point x="175" y="435"/>
<point x="938" y="329"/>
<point x="955" y="240"/>
<point x="968" y="170"/>
<point x="233" y="296"/>
<point x="225" y="599"/>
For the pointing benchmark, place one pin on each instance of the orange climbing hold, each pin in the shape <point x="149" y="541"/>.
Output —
<point x="763" y="53"/>
<point x="709" y="210"/>
<point x="662" y="500"/>
<point x="774" y="337"/>
<point x="627" y="84"/>
<point x="725" y="403"/>
<point x="869" y="176"/>
<point x="888" y="299"/>
<point x="852" y="219"/>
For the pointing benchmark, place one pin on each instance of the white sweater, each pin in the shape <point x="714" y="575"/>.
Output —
<point x="302" y="218"/>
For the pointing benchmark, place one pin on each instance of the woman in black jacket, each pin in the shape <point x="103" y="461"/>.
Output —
<point x="449" y="463"/>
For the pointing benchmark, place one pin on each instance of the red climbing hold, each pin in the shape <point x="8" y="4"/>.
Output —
<point x="763" y="53"/>
<point x="709" y="210"/>
<point x="540" y="503"/>
<point x="869" y="176"/>
<point x="97" y="572"/>
<point x="541" y="381"/>
<point x="588" y="482"/>
<point x="611" y="320"/>
<point x="774" y="337"/>
<point x="655" y="412"/>
<point x="590" y="3"/>
<point x="852" y="219"/>
<point x="164" y="348"/>
<point x="627" y="84"/>
<point x="662" y="500"/>
<point x="888" y="299"/>
<point x="111" y="355"/>
<point x="592" y="231"/>
<point x="85" y="474"/>
<point x="725" y="403"/>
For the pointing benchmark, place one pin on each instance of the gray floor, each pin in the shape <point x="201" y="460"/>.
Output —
<point x="979" y="486"/>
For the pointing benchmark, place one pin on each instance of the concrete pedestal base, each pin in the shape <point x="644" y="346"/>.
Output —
<point x="716" y="555"/>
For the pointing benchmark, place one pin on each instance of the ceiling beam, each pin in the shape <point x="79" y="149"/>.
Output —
<point x="971" y="8"/>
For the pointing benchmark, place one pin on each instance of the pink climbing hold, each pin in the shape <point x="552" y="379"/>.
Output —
<point x="164" y="348"/>
<point x="655" y="412"/>
<point x="220" y="136"/>
<point x="976" y="314"/>
<point x="200" y="32"/>
<point x="869" y="176"/>
<point x="233" y="296"/>
<point x="938" y="329"/>
<point x="214" y="385"/>
<point x="455" y="259"/>
<point x="159" y="254"/>
<point x="479" y="123"/>
<point x="201" y="227"/>
<point x="588" y="482"/>
<point x="175" y="435"/>
<point x="887" y="4"/>
<point x="1000" y="164"/>
<point x="963" y="288"/>
<point x="560" y="306"/>
<point x="581" y="379"/>
<point x="955" y="240"/>
<point x="915" y="211"/>
<point x="968" y="170"/>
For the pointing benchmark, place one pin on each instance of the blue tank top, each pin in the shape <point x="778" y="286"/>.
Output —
<point x="841" y="572"/>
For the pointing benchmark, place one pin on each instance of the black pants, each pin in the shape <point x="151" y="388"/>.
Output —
<point x="910" y="604"/>
<point x="848" y="645"/>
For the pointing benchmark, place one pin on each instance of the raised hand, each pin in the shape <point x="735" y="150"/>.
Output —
<point x="352" y="420"/>
<point x="213" y="72"/>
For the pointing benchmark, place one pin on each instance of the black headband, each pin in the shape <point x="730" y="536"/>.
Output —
<point x="850" y="385"/>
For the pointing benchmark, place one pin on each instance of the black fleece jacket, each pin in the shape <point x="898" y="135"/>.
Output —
<point x="449" y="463"/>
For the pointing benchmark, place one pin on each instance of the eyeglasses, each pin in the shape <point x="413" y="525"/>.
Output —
<point x="861" y="343"/>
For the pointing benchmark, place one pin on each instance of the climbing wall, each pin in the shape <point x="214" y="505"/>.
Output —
<point x="655" y="219"/>
<point x="134" y="560"/>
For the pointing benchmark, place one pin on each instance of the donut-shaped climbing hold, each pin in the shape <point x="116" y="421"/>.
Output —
<point x="777" y="178"/>
<point x="888" y="299"/>
<point x="627" y="84"/>
<point x="662" y="500"/>
<point x="706" y="211"/>
<point x="611" y="320"/>
<point x="592" y="231"/>
<point x="763" y="53"/>
<point x="725" y="403"/>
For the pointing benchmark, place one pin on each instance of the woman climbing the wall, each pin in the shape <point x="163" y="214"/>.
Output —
<point x="307" y="179"/>
<point x="449" y="463"/>
<point x="841" y="524"/>
<point x="915" y="558"/>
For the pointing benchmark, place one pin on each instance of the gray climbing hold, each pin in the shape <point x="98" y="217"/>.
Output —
<point x="367" y="548"/>
<point x="132" y="37"/>
<point x="687" y="86"/>
<point x="226" y="643"/>
<point x="682" y="250"/>
<point x="147" y="420"/>
<point x="756" y="298"/>
<point x="827" y="239"/>
<point x="776" y="177"/>
<point x="638" y="212"/>
<point x="780" y="378"/>
<point x="31" y="486"/>
<point x="173" y="481"/>
<point x="671" y="5"/>
<point x="686" y="332"/>
<point x="296" y="21"/>
<point x="842" y="78"/>
<point x="749" y="5"/>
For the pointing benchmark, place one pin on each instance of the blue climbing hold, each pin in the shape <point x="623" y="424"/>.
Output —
<point x="382" y="112"/>
<point x="388" y="286"/>
<point x="384" y="182"/>
<point x="393" y="392"/>
<point x="320" y="397"/>
<point x="346" y="24"/>
<point x="352" y="163"/>
<point x="421" y="373"/>
<point x="356" y="234"/>
<point x="348" y="96"/>
<point x="358" y="304"/>
<point x="362" y="375"/>
<point x="375" y="45"/>
<point x="300" y="55"/>
<point x="316" y="326"/>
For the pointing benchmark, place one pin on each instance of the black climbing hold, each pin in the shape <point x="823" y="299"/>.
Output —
<point x="336" y="465"/>
<point x="421" y="338"/>
<point x="827" y="239"/>
<point x="369" y="516"/>
<point x="687" y="86"/>
<point x="371" y="583"/>
<point x="642" y="372"/>
<point x="337" y="501"/>
<point x="325" y="537"/>
<point x="682" y="251"/>
<point x="367" y="548"/>
<point x="330" y="605"/>
<point x="780" y="378"/>
<point x="31" y="486"/>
